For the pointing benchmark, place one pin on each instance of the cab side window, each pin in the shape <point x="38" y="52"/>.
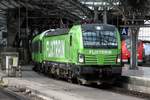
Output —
<point x="37" y="47"/>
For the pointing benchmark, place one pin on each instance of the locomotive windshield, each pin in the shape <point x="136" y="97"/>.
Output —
<point x="100" y="38"/>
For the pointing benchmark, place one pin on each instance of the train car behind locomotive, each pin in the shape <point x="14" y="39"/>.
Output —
<point x="126" y="48"/>
<point x="86" y="53"/>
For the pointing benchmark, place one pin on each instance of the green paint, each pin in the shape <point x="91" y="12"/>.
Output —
<point x="67" y="47"/>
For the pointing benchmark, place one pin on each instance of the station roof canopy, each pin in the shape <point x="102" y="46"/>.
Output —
<point x="79" y="9"/>
<point x="101" y="4"/>
<point x="72" y="9"/>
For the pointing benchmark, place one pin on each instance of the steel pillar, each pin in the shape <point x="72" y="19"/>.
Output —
<point x="133" y="53"/>
<point x="105" y="16"/>
<point x="96" y="14"/>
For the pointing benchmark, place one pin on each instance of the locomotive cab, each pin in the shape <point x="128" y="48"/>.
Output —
<point x="96" y="44"/>
<point x="96" y="48"/>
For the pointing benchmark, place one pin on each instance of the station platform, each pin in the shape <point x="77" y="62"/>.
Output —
<point x="51" y="89"/>
<point x="136" y="80"/>
<point x="142" y="72"/>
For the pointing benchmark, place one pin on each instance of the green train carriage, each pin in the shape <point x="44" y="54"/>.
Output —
<point x="85" y="52"/>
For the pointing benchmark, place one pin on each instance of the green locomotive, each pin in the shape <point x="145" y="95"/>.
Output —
<point x="86" y="53"/>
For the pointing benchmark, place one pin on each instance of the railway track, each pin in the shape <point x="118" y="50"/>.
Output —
<point x="116" y="87"/>
<point x="61" y="89"/>
<point x="14" y="93"/>
<point x="131" y="93"/>
<point x="6" y="94"/>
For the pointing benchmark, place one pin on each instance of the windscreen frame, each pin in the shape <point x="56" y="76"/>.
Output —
<point x="98" y="29"/>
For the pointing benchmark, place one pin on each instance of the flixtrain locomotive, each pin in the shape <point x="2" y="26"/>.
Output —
<point x="85" y="53"/>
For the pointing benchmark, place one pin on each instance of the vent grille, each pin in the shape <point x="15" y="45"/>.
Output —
<point x="106" y="59"/>
<point x="110" y="59"/>
<point x="91" y="59"/>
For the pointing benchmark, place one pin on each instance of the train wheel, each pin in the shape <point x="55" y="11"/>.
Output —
<point x="35" y="68"/>
<point x="69" y="80"/>
<point x="81" y="81"/>
<point x="44" y="69"/>
<point x="40" y="68"/>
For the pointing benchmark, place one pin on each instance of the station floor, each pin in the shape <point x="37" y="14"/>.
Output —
<point x="142" y="72"/>
<point x="51" y="89"/>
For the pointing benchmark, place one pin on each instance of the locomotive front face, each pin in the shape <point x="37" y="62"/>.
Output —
<point x="100" y="45"/>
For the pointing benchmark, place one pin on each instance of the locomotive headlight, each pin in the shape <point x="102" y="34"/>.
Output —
<point x="118" y="59"/>
<point x="81" y="58"/>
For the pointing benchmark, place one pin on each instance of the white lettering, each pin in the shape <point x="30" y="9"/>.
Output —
<point x="56" y="48"/>
<point x="100" y="52"/>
